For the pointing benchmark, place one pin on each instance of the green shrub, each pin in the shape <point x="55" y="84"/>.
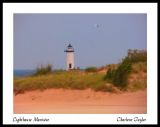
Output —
<point x="110" y="74"/>
<point x="91" y="69"/>
<point x="43" y="70"/>
<point x="122" y="73"/>
<point x="136" y="61"/>
<point x="119" y="76"/>
<point x="137" y="56"/>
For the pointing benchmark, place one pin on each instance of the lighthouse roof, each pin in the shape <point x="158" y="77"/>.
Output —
<point x="69" y="46"/>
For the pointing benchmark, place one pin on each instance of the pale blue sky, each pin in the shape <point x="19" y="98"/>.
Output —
<point x="42" y="38"/>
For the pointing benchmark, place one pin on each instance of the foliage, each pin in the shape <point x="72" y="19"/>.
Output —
<point x="63" y="79"/>
<point x="91" y="69"/>
<point x="43" y="70"/>
<point x="121" y="73"/>
<point x="136" y="56"/>
<point x="110" y="74"/>
<point x="138" y="84"/>
<point x="132" y="63"/>
<point x="139" y="66"/>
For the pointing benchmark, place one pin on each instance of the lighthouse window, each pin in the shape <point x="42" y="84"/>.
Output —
<point x="70" y="66"/>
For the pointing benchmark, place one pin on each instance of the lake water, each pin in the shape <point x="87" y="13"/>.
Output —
<point x="21" y="73"/>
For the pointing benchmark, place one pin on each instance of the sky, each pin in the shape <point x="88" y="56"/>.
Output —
<point x="98" y="39"/>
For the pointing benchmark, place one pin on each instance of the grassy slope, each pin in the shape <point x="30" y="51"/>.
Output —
<point x="80" y="80"/>
<point x="69" y="80"/>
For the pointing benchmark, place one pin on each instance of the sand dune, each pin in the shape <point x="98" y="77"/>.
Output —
<point x="61" y="101"/>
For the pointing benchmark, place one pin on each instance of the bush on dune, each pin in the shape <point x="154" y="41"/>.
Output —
<point x="43" y="70"/>
<point x="91" y="69"/>
<point x="119" y="76"/>
<point x="134" y="62"/>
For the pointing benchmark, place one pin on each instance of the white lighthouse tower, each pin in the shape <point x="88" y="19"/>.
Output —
<point x="70" y="57"/>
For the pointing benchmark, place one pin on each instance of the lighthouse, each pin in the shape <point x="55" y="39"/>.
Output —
<point x="69" y="57"/>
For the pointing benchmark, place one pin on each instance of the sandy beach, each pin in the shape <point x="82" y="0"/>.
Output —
<point x="63" y="101"/>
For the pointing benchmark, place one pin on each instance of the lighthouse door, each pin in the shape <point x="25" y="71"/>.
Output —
<point x="70" y="66"/>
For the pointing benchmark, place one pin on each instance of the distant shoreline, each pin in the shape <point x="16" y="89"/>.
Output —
<point x="22" y="72"/>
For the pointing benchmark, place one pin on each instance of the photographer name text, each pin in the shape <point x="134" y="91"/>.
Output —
<point x="135" y="119"/>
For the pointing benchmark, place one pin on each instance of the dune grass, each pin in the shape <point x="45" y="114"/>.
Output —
<point x="138" y="84"/>
<point x="80" y="80"/>
<point x="91" y="69"/>
<point x="139" y="66"/>
<point x="138" y="77"/>
<point x="64" y="79"/>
